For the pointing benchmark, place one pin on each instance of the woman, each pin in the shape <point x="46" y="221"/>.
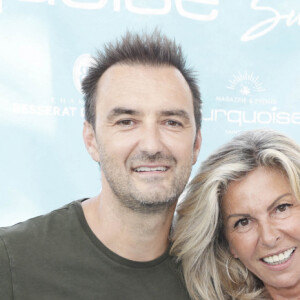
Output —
<point x="238" y="229"/>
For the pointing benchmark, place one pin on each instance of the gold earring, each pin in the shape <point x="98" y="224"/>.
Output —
<point x="227" y="270"/>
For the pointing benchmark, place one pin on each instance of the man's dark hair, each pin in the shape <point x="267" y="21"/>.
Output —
<point x="145" y="49"/>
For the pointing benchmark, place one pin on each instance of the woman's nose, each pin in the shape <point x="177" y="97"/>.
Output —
<point x="269" y="234"/>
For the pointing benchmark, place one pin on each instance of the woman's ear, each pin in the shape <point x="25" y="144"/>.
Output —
<point x="233" y="252"/>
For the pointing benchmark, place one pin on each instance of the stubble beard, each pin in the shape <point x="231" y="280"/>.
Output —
<point x="136" y="200"/>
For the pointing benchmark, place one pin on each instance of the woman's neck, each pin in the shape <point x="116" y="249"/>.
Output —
<point x="290" y="293"/>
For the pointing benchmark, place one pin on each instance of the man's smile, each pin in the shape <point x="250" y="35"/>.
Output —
<point x="147" y="169"/>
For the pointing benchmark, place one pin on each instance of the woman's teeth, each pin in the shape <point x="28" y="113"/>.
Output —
<point x="280" y="258"/>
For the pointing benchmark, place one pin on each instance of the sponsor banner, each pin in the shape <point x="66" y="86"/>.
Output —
<point x="246" y="54"/>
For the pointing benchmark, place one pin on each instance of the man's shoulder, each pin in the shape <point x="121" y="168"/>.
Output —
<point x="41" y="225"/>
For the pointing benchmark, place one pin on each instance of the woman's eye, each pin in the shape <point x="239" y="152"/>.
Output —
<point x="242" y="223"/>
<point x="283" y="207"/>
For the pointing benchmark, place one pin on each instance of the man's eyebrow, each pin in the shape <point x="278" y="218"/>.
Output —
<point x="176" y="112"/>
<point x="122" y="111"/>
<point x="276" y="200"/>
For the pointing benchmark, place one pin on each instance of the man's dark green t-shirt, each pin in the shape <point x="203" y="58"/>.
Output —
<point x="58" y="257"/>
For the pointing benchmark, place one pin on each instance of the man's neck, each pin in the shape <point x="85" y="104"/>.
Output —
<point x="132" y="235"/>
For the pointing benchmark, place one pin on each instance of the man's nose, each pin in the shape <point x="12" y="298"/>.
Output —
<point x="269" y="234"/>
<point x="150" y="139"/>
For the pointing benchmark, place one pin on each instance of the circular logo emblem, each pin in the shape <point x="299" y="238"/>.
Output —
<point x="81" y="66"/>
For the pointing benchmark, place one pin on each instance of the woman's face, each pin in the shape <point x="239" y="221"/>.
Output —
<point x="262" y="219"/>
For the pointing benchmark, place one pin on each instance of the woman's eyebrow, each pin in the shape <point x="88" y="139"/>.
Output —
<point x="238" y="215"/>
<point x="276" y="200"/>
<point x="268" y="208"/>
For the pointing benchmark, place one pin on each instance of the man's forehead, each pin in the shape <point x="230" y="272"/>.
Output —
<point x="140" y="88"/>
<point x="121" y="72"/>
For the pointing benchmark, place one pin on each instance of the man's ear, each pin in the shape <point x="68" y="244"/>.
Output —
<point x="90" y="141"/>
<point x="197" y="146"/>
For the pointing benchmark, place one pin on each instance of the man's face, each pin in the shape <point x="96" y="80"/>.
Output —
<point x="145" y="136"/>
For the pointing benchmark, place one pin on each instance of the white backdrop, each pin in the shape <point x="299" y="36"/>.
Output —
<point x="246" y="52"/>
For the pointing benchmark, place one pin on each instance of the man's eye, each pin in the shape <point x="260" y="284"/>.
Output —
<point x="173" y="123"/>
<point x="125" y="122"/>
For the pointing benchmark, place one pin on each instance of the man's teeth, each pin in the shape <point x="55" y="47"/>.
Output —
<point x="280" y="258"/>
<point x="147" y="169"/>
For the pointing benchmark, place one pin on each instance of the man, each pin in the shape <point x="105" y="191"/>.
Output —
<point x="143" y="127"/>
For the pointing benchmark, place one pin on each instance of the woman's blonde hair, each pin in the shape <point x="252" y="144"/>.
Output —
<point x="199" y="237"/>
